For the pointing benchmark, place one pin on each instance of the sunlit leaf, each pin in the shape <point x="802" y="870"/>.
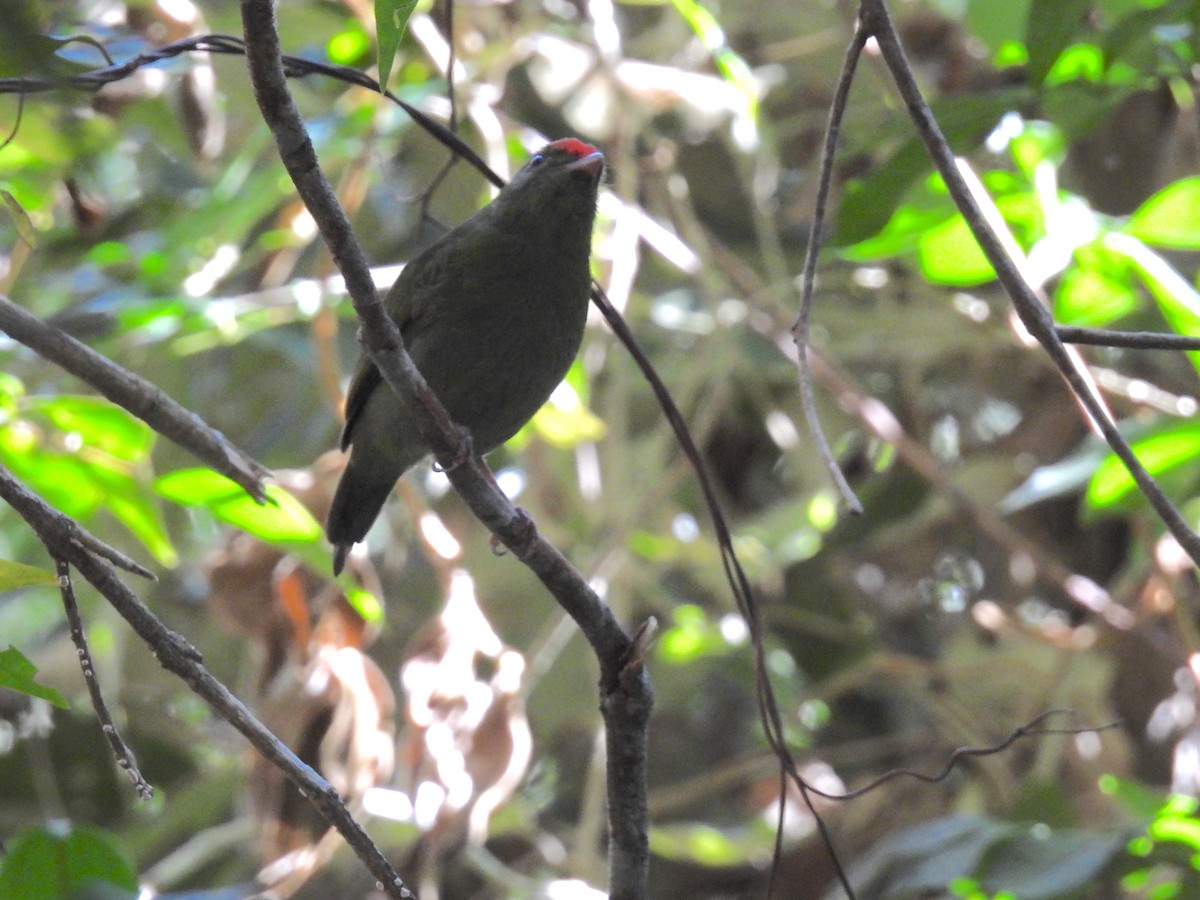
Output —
<point x="1090" y="297"/>
<point x="347" y="47"/>
<point x="1158" y="453"/>
<point x="100" y="424"/>
<point x="868" y="203"/>
<point x="1081" y="62"/>
<point x="18" y="673"/>
<point x="283" y="519"/>
<point x="950" y="255"/>
<point x="1038" y="141"/>
<point x="690" y="636"/>
<point x="1170" y="218"/>
<point x="567" y="427"/>
<point x="704" y="845"/>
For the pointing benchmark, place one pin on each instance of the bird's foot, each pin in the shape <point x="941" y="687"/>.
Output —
<point x="462" y="453"/>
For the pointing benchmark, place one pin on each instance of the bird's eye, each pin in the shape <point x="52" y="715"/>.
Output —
<point x="536" y="160"/>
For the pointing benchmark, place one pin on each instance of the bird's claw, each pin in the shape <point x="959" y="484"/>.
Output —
<point x="462" y="453"/>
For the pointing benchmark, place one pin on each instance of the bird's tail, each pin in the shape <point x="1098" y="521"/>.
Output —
<point x="359" y="497"/>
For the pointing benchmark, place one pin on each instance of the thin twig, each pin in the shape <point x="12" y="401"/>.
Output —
<point x="1137" y="340"/>
<point x="120" y="749"/>
<point x="1029" y="729"/>
<point x="800" y="330"/>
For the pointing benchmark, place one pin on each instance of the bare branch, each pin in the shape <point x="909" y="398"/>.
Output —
<point x="800" y="330"/>
<point x="1137" y="340"/>
<point x="120" y="749"/>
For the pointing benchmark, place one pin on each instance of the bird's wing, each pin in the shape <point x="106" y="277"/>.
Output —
<point x="405" y="302"/>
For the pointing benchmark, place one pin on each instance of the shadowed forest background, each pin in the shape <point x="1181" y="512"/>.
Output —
<point x="1005" y="564"/>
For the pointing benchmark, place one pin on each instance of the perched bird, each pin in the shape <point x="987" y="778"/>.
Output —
<point x="492" y="314"/>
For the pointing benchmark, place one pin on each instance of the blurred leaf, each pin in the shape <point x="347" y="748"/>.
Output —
<point x="949" y="254"/>
<point x="15" y="575"/>
<point x="347" y="47"/>
<point x="18" y="673"/>
<point x="283" y="520"/>
<point x="1137" y="799"/>
<point x="1177" y="300"/>
<point x="63" y="863"/>
<point x="1170" y="218"/>
<point x="1080" y="62"/>
<point x="63" y="480"/>
<point x="1067" y="476"/>
<point x="705" y="845"/>
<point x="20" y="219"/>
<point x="1049" y="29"/>
<point x="926" y="857"/>
<point x="1097" y="290"/>
<point x="1159" y="453"/>
<point x="564" y="428"/>
<point x="997" y="24"/>
<point x="100" y="424"/>
<point x="1038" y="142"/>
<point x="391" y="20"/>
<point x="1045" y="864"/>
<point x="868" y="203"/>
<point x="691" y="636"/>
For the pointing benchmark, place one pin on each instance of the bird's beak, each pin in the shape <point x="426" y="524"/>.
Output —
<point x="591" y="165"/>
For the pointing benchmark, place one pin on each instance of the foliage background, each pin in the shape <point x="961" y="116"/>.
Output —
<point x="946" y="616"/>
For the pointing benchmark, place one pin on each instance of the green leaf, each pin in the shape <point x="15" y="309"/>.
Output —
<point x="282" y="520"/>
<point x="868" y="203"/>
<point x="20" y="219"/>
<point x="99" y="424"/>
<point x="950" y="255"/>
<point x="1048" y="31"/>
<point x="62" y="863"/>
<point x="1159" y="453"/>
<point x="391" y="19"/>
<point x="1038" y="141"/>
<point x="1043" y="865"/>
<point x="1170" y="218"/>
<point x="18" y="673"/>
<point x="1079" y="62"/>
<point x="14" y="575"/>
<point x="1092" y="297"/>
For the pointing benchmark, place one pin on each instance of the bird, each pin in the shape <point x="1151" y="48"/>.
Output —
<point x="492" y="314"/>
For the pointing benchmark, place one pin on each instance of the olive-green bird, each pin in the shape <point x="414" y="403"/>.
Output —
<point x="492" y="314"/>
